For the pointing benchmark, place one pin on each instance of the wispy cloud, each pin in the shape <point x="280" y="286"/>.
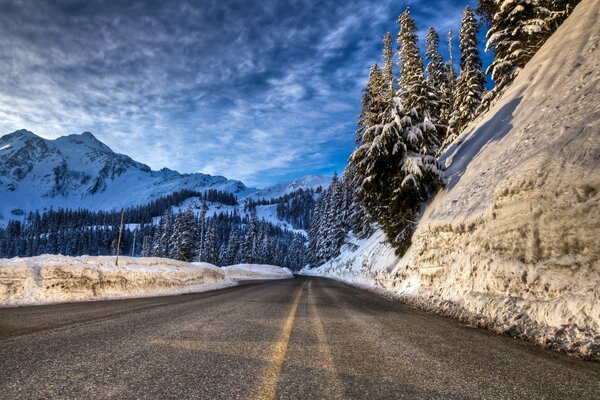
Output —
<point x="258" y="91"/>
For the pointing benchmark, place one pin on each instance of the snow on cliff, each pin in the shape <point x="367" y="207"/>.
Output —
<point x="513" y="242"/>
<point x="256" y="271"/>
<point x="56" y="279"/>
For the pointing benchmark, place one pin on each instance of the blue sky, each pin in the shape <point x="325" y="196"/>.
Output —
<point x="260" y="91"/>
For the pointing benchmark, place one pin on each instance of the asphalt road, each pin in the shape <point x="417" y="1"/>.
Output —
<point x="306" y="338"/>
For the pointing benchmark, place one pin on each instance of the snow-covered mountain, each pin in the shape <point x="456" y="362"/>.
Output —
<point x="282" y="188"/>
<point x="80" y="171"/>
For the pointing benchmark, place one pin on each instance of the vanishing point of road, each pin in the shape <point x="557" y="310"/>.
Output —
<point x="304" y="338"/>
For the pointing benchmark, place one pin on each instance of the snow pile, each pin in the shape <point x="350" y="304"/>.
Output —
<point x="256" y="271"/>
<point x="52" y="279"/>
<point x="513" y="242"/>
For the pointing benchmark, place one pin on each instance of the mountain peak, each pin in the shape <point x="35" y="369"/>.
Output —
<point x="22" y="134"/>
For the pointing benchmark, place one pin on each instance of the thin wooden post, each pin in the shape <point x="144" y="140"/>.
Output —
<point x="119" y="240"/>
<point x="133" y="245"/>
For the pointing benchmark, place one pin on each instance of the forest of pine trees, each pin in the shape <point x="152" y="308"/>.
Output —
<point x="222" y="239"/>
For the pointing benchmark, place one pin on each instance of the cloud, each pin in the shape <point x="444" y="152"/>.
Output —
<point x="259" y="91"/>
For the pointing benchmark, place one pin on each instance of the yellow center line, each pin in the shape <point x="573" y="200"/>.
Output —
<point x="268" y="385"/>
<point x="325" y="351"/>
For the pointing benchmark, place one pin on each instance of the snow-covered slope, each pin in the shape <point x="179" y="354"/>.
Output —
<point x="513" y="242"/>
<point x="282" y="188"/>
<point x="54" y="279"/>
<point x="80" y="171"/>
<point x="256" y="271"/>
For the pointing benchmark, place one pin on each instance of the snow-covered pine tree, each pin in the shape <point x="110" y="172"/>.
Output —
<point x="437" y="82"/>
<point x="387" y="69"/>
<point x="415" y="94"/>
<point x="183" y="240"/>
<point x="372" y="104"/>
<point x="232" y="248"/>
<point x="250" y="247"/>
<point x="469" y="89"/>
<point x="399" y="171"/>
<point x="518" y="28"/>
<point x="447" y="91"/>
<point x="201" y="232"/>
<point x="212" y="246"/>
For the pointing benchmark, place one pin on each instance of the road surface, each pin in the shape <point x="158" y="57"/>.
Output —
<point x="306" y="338"/>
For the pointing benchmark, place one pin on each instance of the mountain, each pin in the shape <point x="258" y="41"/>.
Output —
<point x="513" y="241"/>
<point x="282" y="188"/>
<point x="80" y="171"/>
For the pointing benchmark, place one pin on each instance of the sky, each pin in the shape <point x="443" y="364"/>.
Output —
<point x="261" y="91"/>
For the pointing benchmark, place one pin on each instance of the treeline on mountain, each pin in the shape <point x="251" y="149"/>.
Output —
<point x="223" y="239"/>
<point x="295" y="207"/>
<point x="412" y="109"/>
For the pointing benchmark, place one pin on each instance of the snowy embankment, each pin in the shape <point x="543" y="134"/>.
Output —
<point x="56" y="279"/>
<point x="513" y="242"/>
<point x="256" y="271"/>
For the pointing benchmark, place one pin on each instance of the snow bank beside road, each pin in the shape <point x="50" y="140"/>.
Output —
<point x="55" y="279"/>
<point x="256" y="271"/>
<point x="513" y="242"/>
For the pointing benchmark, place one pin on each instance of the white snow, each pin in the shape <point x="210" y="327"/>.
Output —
<point x="283" y="188"/>
<point x="256" y="271"/>
<point x="79" y="171"/>
<point x="513" y="242"/>
<point x="56" y="279"/>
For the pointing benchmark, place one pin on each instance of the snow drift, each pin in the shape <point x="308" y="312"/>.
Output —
<point x="513" y="242"/>
<point x="256" y="271"/>
<point x="53" y="279"/>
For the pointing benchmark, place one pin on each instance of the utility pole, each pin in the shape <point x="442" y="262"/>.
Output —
<point x="119" y="240"/>
<point x="133" y="245"/>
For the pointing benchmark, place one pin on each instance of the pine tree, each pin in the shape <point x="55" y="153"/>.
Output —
<point x="232" y="248"/>
<point x="387" y="71"/>
<point x="212" y="246"/>
<point x="182" y="238"/>
<point x="373" y="103"/>
<point x="447" y="91"/>
<point x="437" y="82"/>
<point x="518" y="28"/>
<point x="399" y="172"/>
<point x="415" y="93"/>
<point x="469" y="89"/>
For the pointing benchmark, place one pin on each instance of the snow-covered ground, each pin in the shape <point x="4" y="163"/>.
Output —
<point x="513" y="242"/>
<point x="256" y="271"/>
<point x="56" y="279"/>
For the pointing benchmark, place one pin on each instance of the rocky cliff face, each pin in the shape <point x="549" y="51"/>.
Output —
<point x="513" y="242"/>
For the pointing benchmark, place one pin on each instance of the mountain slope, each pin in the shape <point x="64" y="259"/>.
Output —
<point x="80" y="171"/>
<point x="513" y="242"/>
<point x="283" y="188"/>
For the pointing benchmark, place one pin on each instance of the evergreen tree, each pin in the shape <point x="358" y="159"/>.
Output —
<point x="233" y="246"/>
<point x="399" y="172"/>
<point x="373" y="103"/>
<point x="437" y="82"/>
<point x="469" y="89"/>
<point x="518" y="28"/>
<point x="415" y="93"/>
<point x="387" y="90"/>
<point x="212" y="246"/>
<point x="182" y="238"/>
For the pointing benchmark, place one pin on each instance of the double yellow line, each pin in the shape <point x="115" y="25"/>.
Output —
<point x="268" y="385"/>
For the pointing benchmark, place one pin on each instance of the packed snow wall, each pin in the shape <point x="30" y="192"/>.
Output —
<point x="54" y="279"/>
<point x="256" y="271"/>
<point x="513" y="242"/>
